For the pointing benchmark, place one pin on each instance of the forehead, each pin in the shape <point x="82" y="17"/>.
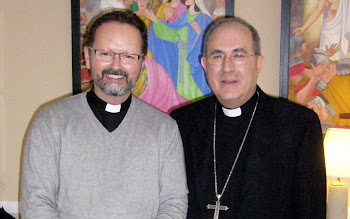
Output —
<point x="114" y="34"/>
<point x="229" y="36"/>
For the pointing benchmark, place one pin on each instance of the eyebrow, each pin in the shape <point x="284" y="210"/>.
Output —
<point x="237" y="50"/>
<point x="217" y="51"/>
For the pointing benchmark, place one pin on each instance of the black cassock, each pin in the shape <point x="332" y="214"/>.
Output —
<point x="280" y="172"/>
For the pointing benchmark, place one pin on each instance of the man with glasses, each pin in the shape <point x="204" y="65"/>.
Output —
<point x="248" y="155"/>
<point x="105" y="154"/>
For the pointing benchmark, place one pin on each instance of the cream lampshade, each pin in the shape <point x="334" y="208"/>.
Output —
<point x="337" y="155"/>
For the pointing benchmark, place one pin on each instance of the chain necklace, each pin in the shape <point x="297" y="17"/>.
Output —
<point x="217" y="206"/>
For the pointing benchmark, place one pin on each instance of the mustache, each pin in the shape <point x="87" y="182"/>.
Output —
<point x="111" y="71"/>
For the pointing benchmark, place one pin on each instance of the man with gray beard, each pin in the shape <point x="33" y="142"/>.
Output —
<point x="104" y="153"/>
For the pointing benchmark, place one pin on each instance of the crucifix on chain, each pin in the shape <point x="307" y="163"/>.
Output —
<point x="217" y="208"/>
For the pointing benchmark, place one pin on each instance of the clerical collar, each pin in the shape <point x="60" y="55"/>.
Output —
<point x="232" y="112"/>
<point x="101" y="105"/>
<point x="245" y="108"/>
<point x="109" y="120"/>
<point x="113" y="108"/>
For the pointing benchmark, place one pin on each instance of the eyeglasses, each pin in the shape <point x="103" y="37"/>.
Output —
<point x="108" y="57"/>
<point x="236" y="57"/>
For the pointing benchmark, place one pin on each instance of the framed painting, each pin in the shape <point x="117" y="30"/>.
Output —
<point x="172" y="75"/>
<point x="315" y="58"/>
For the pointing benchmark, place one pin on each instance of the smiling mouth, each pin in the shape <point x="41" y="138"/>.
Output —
<point x="114" y="76"/>
<point x="229" y="81"/>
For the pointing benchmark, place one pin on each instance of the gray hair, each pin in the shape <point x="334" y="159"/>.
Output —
<point x="253" y="31"/>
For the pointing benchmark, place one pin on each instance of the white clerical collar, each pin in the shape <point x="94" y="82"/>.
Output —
<point x="232" y="112"/>
<point x="113" y="108"/>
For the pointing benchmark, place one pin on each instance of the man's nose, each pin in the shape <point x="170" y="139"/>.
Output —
<point x="116" y="62"/>
<point x="228" y="64"/>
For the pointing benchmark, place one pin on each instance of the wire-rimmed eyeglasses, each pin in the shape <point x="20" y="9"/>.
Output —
<point x="108" y="56"/>
<point x="236" y="57"/>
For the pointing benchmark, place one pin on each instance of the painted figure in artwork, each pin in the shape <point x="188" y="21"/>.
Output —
<point x="334" y="98"/>
<point x="335" y="28"/>
<point x="172" y="76"/>
<point x="110" y="4"/>
<point x="319" y="61"/>
<point x="155" y="86"/>
<point x="142" y="5"/>
<point x="304" y="81"/>
<point x="177" y="47"/>
<point x="170" y="11"/>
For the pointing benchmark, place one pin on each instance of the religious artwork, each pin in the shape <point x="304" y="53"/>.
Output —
<point x="319" y="59"/>
<point x="173" y="75"/>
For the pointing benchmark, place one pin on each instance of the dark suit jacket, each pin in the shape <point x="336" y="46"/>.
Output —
<point x="285" y="175"/>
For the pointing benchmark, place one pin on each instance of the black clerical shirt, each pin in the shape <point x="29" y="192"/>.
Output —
<point x="110" y="121"/>
<point x="229" y="136"/>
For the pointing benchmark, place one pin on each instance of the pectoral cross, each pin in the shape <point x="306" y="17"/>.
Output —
<point x="217" y="208"/>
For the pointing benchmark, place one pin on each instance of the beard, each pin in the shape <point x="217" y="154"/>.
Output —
<point x="114" y="89"/>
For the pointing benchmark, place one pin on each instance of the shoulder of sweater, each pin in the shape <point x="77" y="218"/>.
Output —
<point x="149" y="111"/>
<point x="67" y="104"/>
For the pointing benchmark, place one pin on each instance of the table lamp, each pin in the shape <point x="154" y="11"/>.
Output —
<point x="337" y="156"/>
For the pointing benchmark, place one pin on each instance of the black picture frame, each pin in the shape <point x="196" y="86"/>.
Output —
<point x="76" y="50"/>
<point x="284" y="48"/>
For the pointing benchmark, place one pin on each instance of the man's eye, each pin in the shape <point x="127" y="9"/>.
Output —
<point x="105" y="53"/>
<point x="128" y="56"/>
<point x="217" y="57"/>
<point x="238" y="55"/>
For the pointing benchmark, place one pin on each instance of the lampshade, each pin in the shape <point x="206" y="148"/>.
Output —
<point x="337" y="152"/>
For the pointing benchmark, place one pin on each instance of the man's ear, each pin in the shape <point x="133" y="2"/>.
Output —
<point x="260" y="63"/>
<point x="204" y="63"/>
<point x="87" y="57"/>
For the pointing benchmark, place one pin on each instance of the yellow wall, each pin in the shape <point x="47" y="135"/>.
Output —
<point x="35" y="67"/>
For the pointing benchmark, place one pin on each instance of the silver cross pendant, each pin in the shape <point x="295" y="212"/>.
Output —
<point x="217" y="208"/>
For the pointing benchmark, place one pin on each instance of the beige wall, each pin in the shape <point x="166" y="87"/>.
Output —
<point x="35" y="67"/>
<point x="265" y="16"/>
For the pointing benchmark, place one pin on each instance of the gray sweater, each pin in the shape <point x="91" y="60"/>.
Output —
<point x="74" y="168"/>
